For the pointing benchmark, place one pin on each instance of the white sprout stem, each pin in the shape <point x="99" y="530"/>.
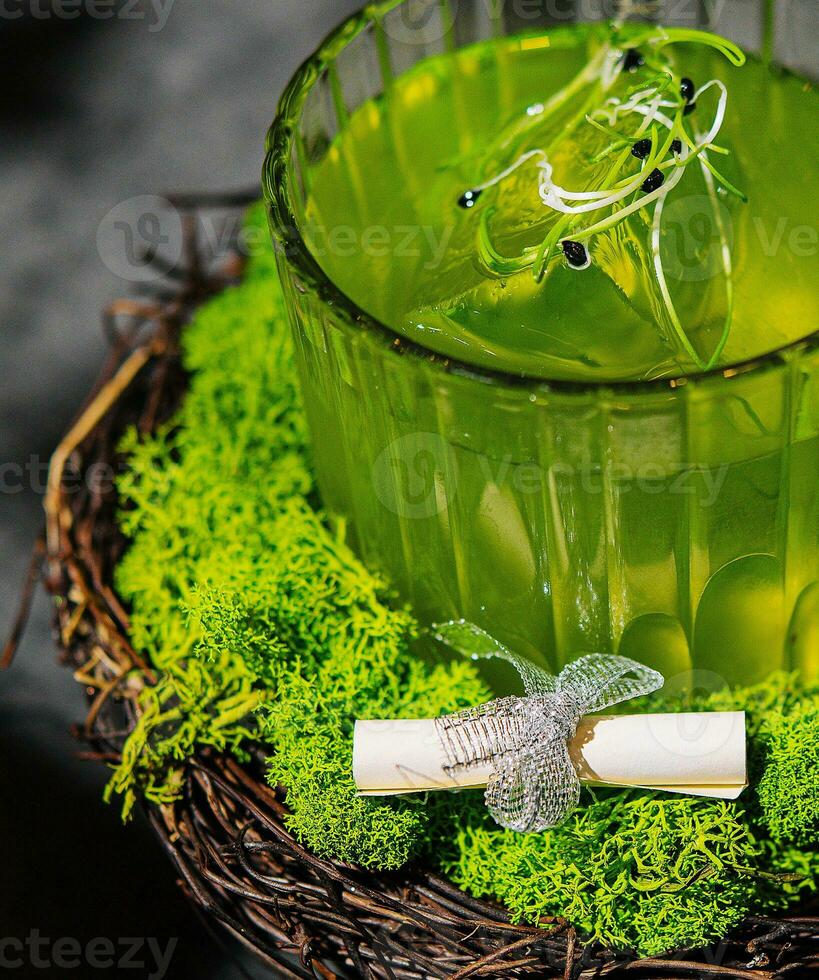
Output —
<point x="727" y="268"/>
<point x="719" y="115"/>
<point x="657" y="116"/>
<point x="554" y="196"/>
<point x="612" y="66"/>
<point x="509" y="170"/>
<point x="727" y="263"/>
<point x="547" y="183"/>
<point x="643" y="202"/>
<point x="649" y="115"/>
<point x="616" y="107"/>
<point x="659" y="271"/>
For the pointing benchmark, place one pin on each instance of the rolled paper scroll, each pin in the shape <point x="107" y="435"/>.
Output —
<point x="697" y="753"/>
<point x="532" y="752"/>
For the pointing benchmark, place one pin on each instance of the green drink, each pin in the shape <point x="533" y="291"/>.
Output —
<point x="580" y="440"/>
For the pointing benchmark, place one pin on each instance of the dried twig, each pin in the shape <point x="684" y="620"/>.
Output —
<point x="30" y="582"/>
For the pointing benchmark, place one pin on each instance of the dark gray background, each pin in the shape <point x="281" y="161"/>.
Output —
<point x="92" y="113"/>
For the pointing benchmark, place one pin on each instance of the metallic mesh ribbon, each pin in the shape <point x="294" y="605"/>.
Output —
<point x="534" y="785"/>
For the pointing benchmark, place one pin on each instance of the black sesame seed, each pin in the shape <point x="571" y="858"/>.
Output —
<point x="469" y="199"/>
<point x="654" y="180"/>
<point x="632" y="60"/>
<point x="676" y="146"/>
<point x="689" y="108"/>
<point x="687" y="89"/>
<point x="575" y="252"/>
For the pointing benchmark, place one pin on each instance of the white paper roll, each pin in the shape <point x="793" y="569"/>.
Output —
<point x="698" y="753"/>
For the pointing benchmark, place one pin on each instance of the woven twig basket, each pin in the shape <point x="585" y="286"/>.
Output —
<point x="226" y="836"/>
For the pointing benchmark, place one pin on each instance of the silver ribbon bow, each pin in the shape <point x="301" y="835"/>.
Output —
<point x="534" y="784"/>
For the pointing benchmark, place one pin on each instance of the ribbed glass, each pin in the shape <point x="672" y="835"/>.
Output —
<point x="673" y="521"/>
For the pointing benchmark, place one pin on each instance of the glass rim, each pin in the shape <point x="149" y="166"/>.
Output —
<point x="289" y="241"/>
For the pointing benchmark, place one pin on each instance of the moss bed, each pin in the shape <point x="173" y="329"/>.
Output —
<point x="265" y="629"/>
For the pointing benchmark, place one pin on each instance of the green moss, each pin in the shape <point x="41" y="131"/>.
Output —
<point x="655" y="872"/>
<point x="243" y="596"/>
<point x="318" y="629"/>
<point x="633" y="870"/>
<point x="788" y="787"/>
<point x="782" y="720"/>
<point x="264" y="627"/>
<point x="192" y="706"/>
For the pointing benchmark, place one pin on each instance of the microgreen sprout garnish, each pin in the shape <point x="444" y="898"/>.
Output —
<point x="646" y="121"/>
<point x="469" y="199"/>
<point x="654" y="180"/>
<point x="576" y="254"/>
<point x="632" y="60"/>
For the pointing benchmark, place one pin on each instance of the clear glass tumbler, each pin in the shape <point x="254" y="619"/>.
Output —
<point x="675" y="521"/>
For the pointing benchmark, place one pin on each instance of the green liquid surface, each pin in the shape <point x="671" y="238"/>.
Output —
<point x="677" y="525"/>
<point x="385" y="223"/>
